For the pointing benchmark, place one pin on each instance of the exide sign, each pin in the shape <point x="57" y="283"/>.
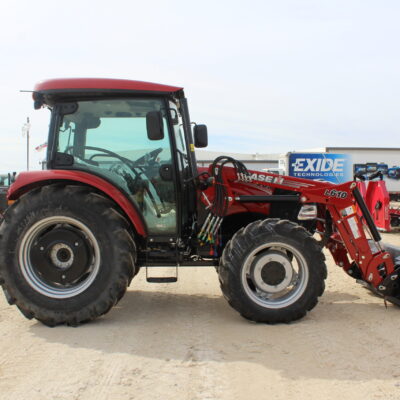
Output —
<point x="335" y="168"/>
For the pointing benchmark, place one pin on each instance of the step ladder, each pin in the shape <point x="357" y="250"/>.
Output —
<point x="161" y="279"/>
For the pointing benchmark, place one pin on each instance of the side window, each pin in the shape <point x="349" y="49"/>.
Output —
<point x="66" y="136"/>
<point x="109" y="138"/>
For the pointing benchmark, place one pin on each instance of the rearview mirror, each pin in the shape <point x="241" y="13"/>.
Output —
<point x="91" y="122"/>
<point x="200" y="136"/>
<point x="155" y="126"/>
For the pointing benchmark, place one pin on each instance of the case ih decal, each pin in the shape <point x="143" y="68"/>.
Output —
<point x="265" y="178"/>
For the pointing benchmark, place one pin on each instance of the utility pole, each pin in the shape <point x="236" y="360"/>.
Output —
<point x="27" y="145"/>
<point x="25" y="131"/>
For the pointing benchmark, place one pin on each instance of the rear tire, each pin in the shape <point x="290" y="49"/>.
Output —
<point x="66" y="256"/>
<point x="272" y="271"/>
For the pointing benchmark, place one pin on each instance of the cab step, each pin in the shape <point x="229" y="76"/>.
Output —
<point x="161" y="279"/>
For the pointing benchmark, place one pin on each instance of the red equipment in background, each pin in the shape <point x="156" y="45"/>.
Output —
<point x="377" y="199"/>
<point x="394" y="216"/>
<point x="378" y="202"/>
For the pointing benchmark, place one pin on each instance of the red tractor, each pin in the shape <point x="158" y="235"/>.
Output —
<point x="122" y="191"/>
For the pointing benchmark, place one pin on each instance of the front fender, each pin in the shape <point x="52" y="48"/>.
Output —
<point x="28" y="180"/>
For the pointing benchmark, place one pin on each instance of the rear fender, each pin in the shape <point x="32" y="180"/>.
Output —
<point x="27" y="181"/>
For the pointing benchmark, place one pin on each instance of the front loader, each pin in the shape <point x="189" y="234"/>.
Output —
<point x="122" y="191"/>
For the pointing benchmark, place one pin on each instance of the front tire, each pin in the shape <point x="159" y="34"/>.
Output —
<point x="66" y="256"/>
<point x="272" y="271"/>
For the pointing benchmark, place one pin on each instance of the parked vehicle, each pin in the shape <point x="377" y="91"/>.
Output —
<point x="394" y="172"/>
<point x="5" y="181"/>
<point x="382" y="167"/>
<point x="360" y="169"/>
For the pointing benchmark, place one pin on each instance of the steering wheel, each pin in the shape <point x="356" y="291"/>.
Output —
<point x="132" y="166"/>
<point x="126" y="161"/>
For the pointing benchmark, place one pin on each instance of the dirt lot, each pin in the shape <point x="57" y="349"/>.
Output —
<point x="182" y="341"/>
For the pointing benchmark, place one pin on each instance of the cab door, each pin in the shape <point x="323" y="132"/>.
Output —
<point x="186" y="190"/>
<point x="108" y="137"/>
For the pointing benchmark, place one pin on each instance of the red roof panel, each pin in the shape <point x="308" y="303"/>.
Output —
<point x="99" y="83"/>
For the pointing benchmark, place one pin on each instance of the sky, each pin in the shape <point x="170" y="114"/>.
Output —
<point x="264" y="76"/>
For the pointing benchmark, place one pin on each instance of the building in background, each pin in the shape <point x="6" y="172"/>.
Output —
<point x="257" y="162"/>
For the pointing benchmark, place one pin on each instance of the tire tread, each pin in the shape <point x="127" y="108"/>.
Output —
<point x="123" y="247"/>
<point x="251" y="236"/>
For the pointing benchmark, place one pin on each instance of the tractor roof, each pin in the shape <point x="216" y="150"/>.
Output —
<point x="47" y="92"/>
<point x="101" y="84"/>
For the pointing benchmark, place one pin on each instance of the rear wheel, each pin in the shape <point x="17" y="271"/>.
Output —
<point x="272" y="271"/>
<point x="66" y="256"/>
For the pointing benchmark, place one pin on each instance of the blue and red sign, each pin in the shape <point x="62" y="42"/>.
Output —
<point x="335" y="168"/>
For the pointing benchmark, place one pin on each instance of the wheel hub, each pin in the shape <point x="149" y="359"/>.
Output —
<point x="271" y="271"/>
<point x="61" y="256"/>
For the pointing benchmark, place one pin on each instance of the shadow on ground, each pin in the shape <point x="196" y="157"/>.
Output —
<point x="193" y="329"/>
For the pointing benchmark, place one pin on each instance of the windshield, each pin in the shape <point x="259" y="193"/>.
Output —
<point x="116" y="125"/>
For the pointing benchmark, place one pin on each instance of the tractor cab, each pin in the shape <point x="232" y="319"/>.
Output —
<point x="135" y="135"/>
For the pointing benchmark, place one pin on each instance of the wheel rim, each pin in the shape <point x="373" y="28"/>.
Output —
<point x="59" y="257"/>
<point x="275" y="275"/>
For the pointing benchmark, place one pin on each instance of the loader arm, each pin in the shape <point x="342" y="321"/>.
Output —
<point x="351" y="237"/>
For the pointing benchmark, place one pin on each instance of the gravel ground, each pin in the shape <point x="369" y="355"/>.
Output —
<point x="182" y="341"/>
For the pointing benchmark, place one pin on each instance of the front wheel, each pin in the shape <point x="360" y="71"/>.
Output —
<point x="272" y="271"/>
<point x="66" y="256"/>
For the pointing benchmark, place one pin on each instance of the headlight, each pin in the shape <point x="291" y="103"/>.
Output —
<point x="308" y="211"/>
